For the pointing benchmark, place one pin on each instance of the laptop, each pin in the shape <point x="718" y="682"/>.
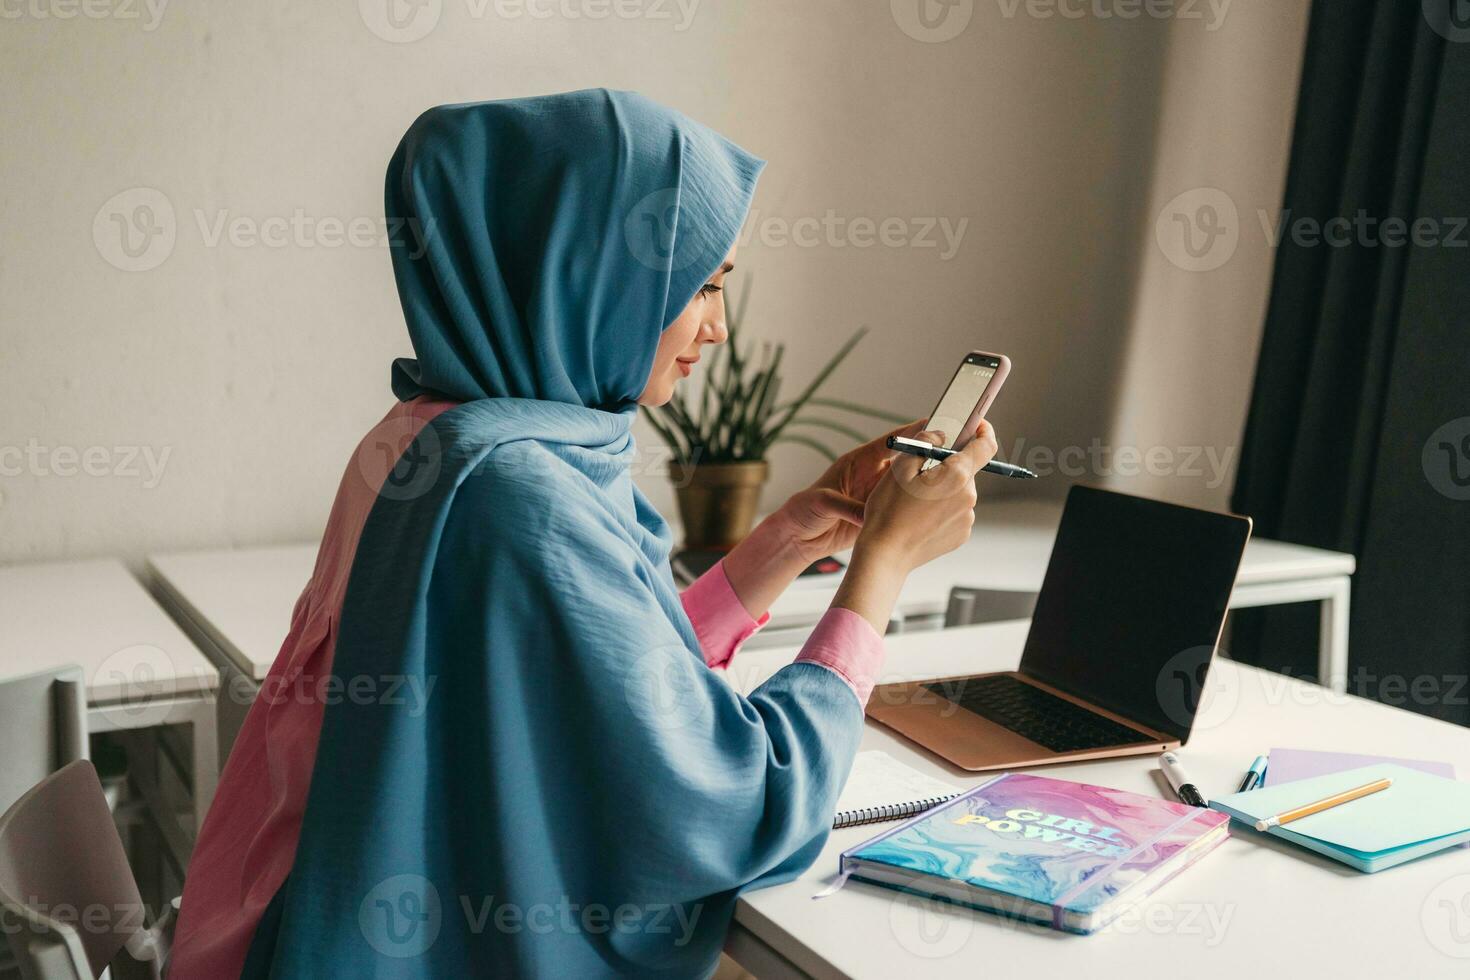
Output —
<point x="1121" y="640"/>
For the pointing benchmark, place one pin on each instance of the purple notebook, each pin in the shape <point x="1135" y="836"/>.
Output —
<point x="1070" y="855"/>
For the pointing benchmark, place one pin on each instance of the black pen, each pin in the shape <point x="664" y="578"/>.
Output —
<point x="917" y="447"/>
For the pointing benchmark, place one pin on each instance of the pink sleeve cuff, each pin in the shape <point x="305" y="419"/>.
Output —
<point x="720" y="620"/>
<point x="846" y="644"/>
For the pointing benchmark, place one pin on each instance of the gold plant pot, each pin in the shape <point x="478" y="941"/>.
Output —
<point x="718" y="501"/>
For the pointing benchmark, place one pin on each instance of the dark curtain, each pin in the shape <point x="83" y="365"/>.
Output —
<point x="1358" y="436"/>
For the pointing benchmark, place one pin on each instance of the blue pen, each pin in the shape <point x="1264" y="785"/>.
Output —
<point x="1253" y="775"/>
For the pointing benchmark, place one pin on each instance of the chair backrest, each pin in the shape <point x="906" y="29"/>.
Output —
<point x="43" y="726"/>
<point x="67" y="895"/>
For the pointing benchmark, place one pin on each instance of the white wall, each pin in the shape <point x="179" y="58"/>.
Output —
<point x="1195" y="326"/>
<point x="213" y="398"/>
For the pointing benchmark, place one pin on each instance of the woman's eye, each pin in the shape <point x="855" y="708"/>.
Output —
<point x="709" y="289"/>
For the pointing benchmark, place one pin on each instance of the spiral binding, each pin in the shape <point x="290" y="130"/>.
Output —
<point x="891" y="811"/>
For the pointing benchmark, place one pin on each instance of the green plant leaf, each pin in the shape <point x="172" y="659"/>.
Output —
<point x="817" y="382"/>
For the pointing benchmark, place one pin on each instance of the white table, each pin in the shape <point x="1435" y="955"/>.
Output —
<point x="141" y="670"/>
<point x="1255" y="907"/>
<point x="237" y="602"/>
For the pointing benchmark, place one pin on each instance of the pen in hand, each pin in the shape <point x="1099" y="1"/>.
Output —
<point x="916" y="447"/>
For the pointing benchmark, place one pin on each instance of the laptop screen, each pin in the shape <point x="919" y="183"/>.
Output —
<point x="1132" y="605"/>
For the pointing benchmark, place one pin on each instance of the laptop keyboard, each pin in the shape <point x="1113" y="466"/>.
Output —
<point x="1038" y="715"/>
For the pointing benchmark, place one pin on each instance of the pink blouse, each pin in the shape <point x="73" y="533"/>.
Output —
<point x="842" y="641"/>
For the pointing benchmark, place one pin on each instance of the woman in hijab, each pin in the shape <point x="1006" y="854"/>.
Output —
<point x="496" y="741"/>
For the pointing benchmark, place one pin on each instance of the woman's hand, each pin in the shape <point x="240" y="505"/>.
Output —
<point x="913" y="515"/>
<point x="826" y="517"/>
<point x="818" y="521"/>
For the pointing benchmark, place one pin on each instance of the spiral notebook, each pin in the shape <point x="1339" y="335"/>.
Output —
<point x="882" y="788"/>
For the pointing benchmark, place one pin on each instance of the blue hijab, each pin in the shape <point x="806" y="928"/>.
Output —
<point x="577" y="794"/>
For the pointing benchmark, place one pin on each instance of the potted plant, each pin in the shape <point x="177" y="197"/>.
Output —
<point x="720" y="438"/>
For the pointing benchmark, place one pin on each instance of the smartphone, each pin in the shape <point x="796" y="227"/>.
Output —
<point x="969" y="396"/>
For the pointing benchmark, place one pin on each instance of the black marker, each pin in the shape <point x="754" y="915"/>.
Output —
<point x="924" y="450"/>
<point x="1183" y="786"/>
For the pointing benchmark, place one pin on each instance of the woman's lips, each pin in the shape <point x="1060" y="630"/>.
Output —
<point x="687" y="367"/>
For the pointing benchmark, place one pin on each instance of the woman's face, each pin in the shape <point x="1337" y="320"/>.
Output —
<point x="702" y="322"/>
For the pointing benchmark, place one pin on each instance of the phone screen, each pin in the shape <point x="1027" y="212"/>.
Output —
<point x="960" y="400"/>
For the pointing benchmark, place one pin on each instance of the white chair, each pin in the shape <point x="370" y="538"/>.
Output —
<point x="43" y="726"/>
<point x="68" y="900"/>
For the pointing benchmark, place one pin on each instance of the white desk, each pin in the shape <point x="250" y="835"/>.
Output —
<point x="1256" y="906"/>
<point x="1011" y="544"/>
<point x="141" y="670"/>
<point x="237" y="603"/>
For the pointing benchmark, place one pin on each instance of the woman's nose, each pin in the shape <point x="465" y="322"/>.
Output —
<point x="718" y="332"/>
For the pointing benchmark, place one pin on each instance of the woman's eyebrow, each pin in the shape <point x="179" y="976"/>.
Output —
<point x="728" y="267"/>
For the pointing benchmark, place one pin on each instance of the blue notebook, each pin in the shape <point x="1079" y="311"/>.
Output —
<point x="1418" y="815"/>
